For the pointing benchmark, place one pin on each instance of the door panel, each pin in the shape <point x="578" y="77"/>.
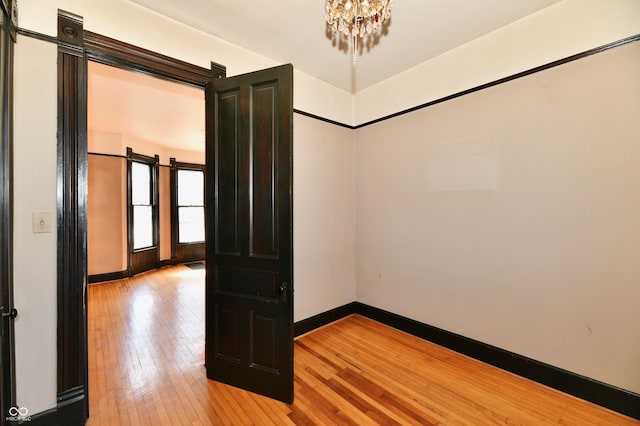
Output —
<point x="249" y="308"/>
<point x="264" y="210"/>
<point x="247" y="282"/>
<point x="227" y="209"/>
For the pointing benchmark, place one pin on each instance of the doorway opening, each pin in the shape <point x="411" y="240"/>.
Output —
<point x="74" y="53"/>
<point x="140" y="130"/>
<point x="263" y="110"/>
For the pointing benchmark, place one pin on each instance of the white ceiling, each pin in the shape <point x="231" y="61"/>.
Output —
<point x="294" y="31"/>
<point x="287" y="31"/>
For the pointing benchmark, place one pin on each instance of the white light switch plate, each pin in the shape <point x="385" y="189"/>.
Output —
<point x="41" y="222"/>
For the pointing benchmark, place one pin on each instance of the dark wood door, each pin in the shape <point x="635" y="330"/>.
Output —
<point x="249" y="288"/>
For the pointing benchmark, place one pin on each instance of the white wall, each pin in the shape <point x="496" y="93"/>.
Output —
<point x="510" y="216"/>
<point x="323" y="217"/>
<point x="556" y="32"/>
<point x="34" y="255"/>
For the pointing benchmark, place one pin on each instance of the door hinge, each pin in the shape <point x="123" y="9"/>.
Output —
<point x="11" y="314"/>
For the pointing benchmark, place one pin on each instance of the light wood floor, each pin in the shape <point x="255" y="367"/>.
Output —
<point x="146" y="352"/>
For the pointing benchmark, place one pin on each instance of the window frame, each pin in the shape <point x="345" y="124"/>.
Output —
<point x="153" y="163"/>
<point x="175" y="226"/>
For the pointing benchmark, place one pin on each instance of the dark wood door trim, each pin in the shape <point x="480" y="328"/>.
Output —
<point x="8" y="377"/>
<point x="112" y="52"/>
<point x="75" y="48"/>
<point x="72" y="220"/>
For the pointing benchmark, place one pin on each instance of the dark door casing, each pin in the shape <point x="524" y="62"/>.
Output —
<point x="76" y="46"/>
<point x="249" y="287"/>
<point x="7" y="370"/>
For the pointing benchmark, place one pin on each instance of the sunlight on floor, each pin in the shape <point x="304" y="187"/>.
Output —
<point x="188" y="273"/>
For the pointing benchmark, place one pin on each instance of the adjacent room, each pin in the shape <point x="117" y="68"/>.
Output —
<point x="143" y="212"/>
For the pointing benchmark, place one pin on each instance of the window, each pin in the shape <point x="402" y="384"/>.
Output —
<point x="142" y="203"/>
<point x="187" y="212"/>
<point x="190" y="185"/>
<point x="143" y="214"/>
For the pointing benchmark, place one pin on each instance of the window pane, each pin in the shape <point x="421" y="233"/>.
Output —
<point x="140" y="183"/>
<point x="190" y="224"/>
<point x="142" y="227"/>
<point x="190" y="188"/>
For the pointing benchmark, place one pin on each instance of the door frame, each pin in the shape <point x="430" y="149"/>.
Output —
<point x="75" y="48"/>
<point x="8" y="379"/>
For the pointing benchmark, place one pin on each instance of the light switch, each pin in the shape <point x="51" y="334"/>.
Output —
<point x="41" y="222"/>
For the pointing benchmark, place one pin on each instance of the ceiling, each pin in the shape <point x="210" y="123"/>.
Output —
<point x="294" y="31"/>
<point x="287" y="31"/>
<point x="145" y="108"/>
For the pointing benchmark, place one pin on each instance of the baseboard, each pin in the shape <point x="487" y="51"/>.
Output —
<point x="69" y="412"/>
<point x="322" y="319"/>
<point x="72" y="407"/>
<point x="111" y="276"/>
<point x="605" y="395"/>
<point x="45" y="418"/>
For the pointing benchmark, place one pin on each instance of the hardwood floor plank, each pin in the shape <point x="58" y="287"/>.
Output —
<point x="146" y="355"/>
<point x="383" y="396"/>
<point x="354" y="398"/>
<point x="278" y="417"/>
<point x="349" y="403"/>
<point x="386" y="412"/>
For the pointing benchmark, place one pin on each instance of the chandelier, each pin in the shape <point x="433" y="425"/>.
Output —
<point x="357" y="18"/>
